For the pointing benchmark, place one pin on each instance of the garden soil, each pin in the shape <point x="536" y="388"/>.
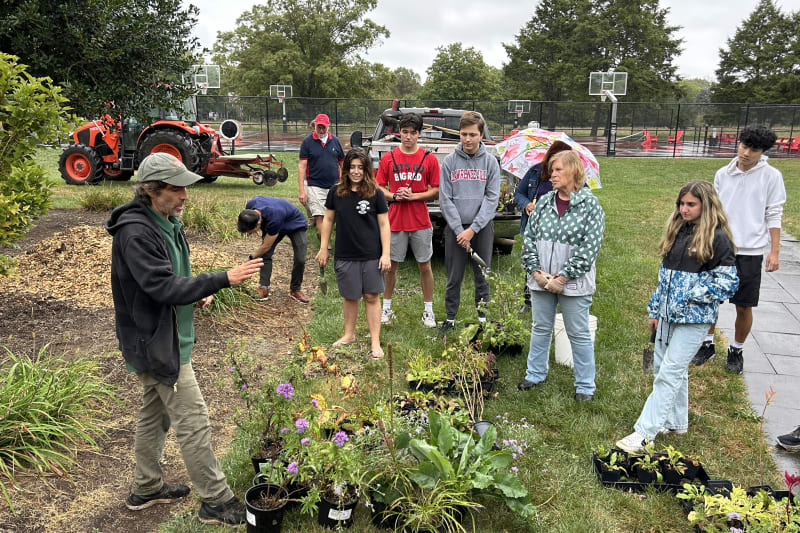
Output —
<point x="60" y="297"/>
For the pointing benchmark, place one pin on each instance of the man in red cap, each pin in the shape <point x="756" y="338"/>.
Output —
<point x="321" y="156"/>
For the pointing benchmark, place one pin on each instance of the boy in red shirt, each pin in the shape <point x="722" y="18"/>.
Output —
<point x="409" y="176"/>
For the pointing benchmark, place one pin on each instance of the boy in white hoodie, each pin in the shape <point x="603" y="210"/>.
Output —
<point x="752" y="194"/>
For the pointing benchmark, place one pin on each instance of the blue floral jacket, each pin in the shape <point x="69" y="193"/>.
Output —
<point x="689" y="292"/>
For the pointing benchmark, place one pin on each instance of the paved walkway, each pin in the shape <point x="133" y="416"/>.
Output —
<point x="772" y="351"/>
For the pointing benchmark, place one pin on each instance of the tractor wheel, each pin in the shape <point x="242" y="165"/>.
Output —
<point x="170" y="142"/>
<point x="80" y="165"/>
<point x="115" y="174"/>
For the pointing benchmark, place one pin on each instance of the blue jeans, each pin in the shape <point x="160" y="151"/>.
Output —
<point x="575" y="310"/>
<point x="668" y="404"/>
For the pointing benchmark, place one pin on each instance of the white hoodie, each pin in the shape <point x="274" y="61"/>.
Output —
<point x="753" y="201"/>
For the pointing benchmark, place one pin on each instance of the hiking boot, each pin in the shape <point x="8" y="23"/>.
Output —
<point x="446" y="326"/>
<point x="230" y="513"/>
<point x="790" y="441"/>
<point x="263" y="293"/>
<point x="299" y="296"/>
<point x="167" y="494"/>
<point x="705" y="353"/>
<point x="735" y="363"/>
<point x="387" y="315"/>
<point x="428" y="319"/>
<point x="526" y="385"/>
<point x="633" y="443"/>
<point x="581" y="397"/>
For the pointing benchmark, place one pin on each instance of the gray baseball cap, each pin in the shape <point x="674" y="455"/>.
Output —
<point x="165" y="167"/>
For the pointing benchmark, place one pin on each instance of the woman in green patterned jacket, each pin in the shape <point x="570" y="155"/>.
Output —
<point x="560" y="246"/>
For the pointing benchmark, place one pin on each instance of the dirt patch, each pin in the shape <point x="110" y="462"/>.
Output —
<point x="61" y="297"/>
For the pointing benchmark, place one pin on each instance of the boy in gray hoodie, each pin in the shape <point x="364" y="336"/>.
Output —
<point x="469" y="189"/>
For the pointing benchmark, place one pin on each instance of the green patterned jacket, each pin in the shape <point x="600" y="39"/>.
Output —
<point x="566" y="245"/>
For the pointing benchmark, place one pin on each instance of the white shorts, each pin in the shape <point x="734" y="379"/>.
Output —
<point x="315" y="200"/>
<point x="421" y="245"/>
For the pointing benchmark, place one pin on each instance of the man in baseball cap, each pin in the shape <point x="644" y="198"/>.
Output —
<point x="321" y="156"/>
<point x="154" y="292"/>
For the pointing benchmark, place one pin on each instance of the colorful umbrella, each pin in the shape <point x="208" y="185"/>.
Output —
<point x="527" y="148"/>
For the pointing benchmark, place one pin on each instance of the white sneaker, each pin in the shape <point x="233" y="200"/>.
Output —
<point x="667" y="431"/>
<point x="633" y="443"/>
<point x="428" y="319"/>
<point x="387" y="315"/>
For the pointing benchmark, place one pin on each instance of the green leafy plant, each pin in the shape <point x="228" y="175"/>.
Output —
<point x="32" y="112"/>
<point x="646" y="463"/>
<point x="423" y="369"/>
<point x="675" y="459"/>
<point x="48" y="407"/>
<point x="504" y="325"/>
<point x="458" y="461"/>
<point x="718" y="513"/>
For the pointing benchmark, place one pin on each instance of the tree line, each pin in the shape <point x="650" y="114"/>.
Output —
<point x="128" y="55"/>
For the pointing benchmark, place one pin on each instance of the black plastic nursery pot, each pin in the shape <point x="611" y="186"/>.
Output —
<point x="334" y="515"/>
<point x="264" y="520"/>
<point x="671" y="476"/>
<point x="645" y="476"/>
<point x="380" y="516"/>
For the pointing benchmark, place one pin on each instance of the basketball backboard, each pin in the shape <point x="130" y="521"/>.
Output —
<point x="206" y="76"/>
<point x="518" y="107"/>
<point x="280" y="92"/>
<point x="615" y="82"/>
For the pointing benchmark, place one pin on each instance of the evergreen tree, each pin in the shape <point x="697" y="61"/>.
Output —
<point x="761" y="62"/>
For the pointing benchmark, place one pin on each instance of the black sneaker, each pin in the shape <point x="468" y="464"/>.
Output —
<point x="790" y="441"/>
<point x="446" y="326"/>
<point x="230" y="513"/>
<point x="167" y="494"/>
<point x="735" y="360"/>
<point x="705" y="353"/>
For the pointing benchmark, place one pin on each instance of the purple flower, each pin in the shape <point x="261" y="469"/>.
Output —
<point x="314" y="402"/>
<point x="301" y="425"/>
<point x="304" y="441"/>
<point x="292" y="468"/>
<point x="285" y="389"/>
<point x="244" y="386"/>
<point x="514" y="469"/>
<point x="340" y="438"/>
<point x="284" y="430"/>
<point x="513" y="456"/>
<point x="231" y="369"/>
<point x="734" y="515"/>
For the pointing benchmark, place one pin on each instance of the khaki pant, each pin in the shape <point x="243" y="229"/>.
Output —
<point x="186" y="410"/>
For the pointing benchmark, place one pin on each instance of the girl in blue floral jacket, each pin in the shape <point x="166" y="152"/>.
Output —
<point x="697" y="272"/>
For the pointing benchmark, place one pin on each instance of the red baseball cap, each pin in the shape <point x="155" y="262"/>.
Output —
<point x="323" y="119"/>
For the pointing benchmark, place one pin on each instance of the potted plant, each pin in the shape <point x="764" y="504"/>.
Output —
<point x="504" y="333"/>
<point x="265" y="503"/>
<point x="441" y="509"/>
<point x="646" y="468"/>
<point x="673" y="469"/>
<point x="425" y="374"/>
<point x="451" y="458"/>
<point x="612" y="469"/>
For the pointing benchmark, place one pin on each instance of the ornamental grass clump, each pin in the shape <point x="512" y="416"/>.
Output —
<point x="48" y="409"/>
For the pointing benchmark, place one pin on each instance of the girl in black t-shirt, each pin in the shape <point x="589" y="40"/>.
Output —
<point x="360" y="212"/>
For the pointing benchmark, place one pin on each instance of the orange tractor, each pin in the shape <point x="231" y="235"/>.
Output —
<point x="110" y="149"/>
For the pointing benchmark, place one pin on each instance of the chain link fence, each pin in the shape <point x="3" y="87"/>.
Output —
<point x="648" y="129"/>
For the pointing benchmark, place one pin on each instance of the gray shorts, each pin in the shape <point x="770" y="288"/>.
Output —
<point x="315" y="200"/>
<point x="421" y="245"/>
<point x="355" y="278"/>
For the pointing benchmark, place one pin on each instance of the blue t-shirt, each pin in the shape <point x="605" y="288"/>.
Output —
<point x="278" y="215"/>
<point x="323" y="161"/>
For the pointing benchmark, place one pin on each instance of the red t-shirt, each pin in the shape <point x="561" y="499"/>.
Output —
<point x="408" y="216"/>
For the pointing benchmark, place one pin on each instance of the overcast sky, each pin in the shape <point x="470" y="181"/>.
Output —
<point x="417" y="27"/>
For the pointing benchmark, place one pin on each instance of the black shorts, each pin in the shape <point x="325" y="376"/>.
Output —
<point x="748" y="268"/>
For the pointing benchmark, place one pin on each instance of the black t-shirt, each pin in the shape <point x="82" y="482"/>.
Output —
<point x="358" y="237"/>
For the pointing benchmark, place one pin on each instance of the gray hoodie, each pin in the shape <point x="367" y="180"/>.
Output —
<point x="469" y="189"/>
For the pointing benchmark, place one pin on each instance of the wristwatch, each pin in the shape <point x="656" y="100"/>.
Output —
<point x="394" y="197"/>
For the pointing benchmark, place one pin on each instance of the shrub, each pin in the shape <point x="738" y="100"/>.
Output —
<point x="48" y="406"/>
<point x="103" y="198"/>
<point x="31" y="113"/>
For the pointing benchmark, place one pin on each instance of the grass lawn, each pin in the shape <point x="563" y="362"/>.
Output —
<point x="724" y="433"/>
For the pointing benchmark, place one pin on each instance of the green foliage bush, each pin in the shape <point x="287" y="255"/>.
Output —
<point x="103" y="198"/>
<point x="48" y="406"/>
<point x="31" y="113"/>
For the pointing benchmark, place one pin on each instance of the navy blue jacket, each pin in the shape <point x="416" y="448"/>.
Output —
<point x="526" y="192"/>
